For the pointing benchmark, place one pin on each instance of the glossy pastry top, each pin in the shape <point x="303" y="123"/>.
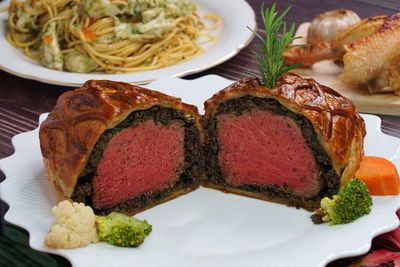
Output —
<point x="79" y="117"/>
<point x="339" y="127"/>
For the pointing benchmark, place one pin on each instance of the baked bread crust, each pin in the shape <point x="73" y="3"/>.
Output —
<point x="79" y="117"/>
<point x="339" y="128"/>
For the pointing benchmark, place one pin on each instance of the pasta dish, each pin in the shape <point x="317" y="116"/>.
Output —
<point x="114" y="36"/>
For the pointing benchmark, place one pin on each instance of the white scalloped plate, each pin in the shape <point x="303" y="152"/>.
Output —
<point x="205" y="227"/>
<point x="232" y="37"/>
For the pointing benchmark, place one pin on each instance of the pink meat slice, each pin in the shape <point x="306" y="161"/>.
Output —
<point x="262" y="148"/>
<point x="139" y="160"/>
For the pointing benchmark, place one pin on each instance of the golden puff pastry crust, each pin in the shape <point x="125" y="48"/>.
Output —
<point x="79" y="117"/>
<point x="339" y="128"/>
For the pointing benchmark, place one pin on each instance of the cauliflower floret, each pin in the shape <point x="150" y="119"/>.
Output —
<point x="74" y="226"/>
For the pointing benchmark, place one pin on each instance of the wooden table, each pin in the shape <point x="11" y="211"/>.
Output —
<point x="22" y="100"/>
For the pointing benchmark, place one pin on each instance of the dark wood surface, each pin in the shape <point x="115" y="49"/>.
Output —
<point x="22" y="100"/>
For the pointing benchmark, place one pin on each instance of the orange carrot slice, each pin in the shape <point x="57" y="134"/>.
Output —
<point x="89" y="34"/>
<point x="47" y="39"/>
<point x="380" y="176"/>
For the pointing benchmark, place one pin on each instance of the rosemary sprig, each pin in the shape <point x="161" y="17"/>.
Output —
<point x="270" y="52"/>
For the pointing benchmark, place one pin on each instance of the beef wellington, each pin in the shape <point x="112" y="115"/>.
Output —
<point x="292" y="144"/>
<point x="119" y="147"/>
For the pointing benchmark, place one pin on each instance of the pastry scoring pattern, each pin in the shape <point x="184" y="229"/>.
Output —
<point x="339" y="127"/>
<point x="78" y="119"/>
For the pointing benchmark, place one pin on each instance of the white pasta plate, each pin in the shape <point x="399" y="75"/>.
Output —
<point x="233" y="36"/>
<point x="205" y="227"/>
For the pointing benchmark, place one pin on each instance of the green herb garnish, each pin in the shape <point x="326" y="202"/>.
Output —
<point x="270" y="52"/>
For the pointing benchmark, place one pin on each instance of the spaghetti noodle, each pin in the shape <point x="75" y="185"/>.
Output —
<point x="107" y="35"/>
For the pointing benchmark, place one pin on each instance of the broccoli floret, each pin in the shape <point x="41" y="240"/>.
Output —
<point x="350" y="203"/>
<point x="121" y="230"/>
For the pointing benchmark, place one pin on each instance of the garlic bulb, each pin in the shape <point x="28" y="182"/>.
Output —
<point x="327" y="24"/>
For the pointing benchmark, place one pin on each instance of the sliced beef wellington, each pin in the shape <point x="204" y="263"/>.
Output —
<point x="118" y="147"/>
<point x="292" y="144"/>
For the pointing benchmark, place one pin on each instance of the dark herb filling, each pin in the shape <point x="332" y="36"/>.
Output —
<point x="329" y="179"/>
<point x="189" y="178"/>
